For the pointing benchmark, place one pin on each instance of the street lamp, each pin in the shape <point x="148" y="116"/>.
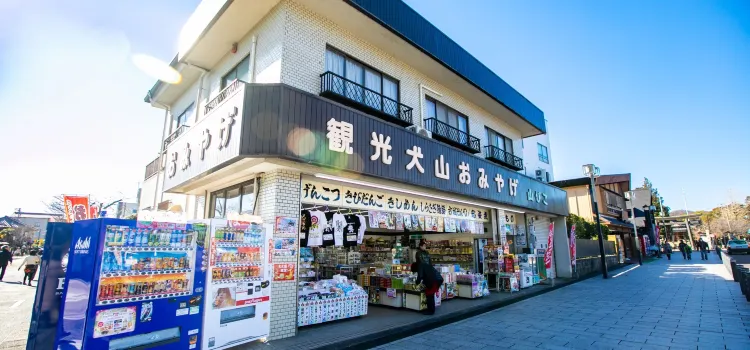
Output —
<point x="592" y="171"/>
<point x="630" y="195"/>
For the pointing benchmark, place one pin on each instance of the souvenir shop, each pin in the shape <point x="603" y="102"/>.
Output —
<point x="357" y="244"/>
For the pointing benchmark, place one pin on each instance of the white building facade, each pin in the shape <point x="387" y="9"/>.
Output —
<point x="354" y="95"/>
<point x="537" y="157"/>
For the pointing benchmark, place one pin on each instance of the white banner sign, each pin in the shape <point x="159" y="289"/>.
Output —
<point x="336" y="195"/>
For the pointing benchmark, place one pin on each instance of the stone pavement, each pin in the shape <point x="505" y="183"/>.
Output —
<point x="661" y="305"/>
<point x="16" y="302"/>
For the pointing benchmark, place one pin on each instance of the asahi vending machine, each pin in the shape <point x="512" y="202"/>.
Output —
<point x="238" y="290"/>
<point x="133" y="285"/>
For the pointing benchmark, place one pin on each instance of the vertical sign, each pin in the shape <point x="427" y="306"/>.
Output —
<point x="548" y="253"/>
<point x="76" y="208"/>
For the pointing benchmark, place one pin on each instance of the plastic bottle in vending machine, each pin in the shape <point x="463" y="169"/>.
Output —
<point x="117" y="240"/>
<point x="183" y="239"/>
<point x="110" y="236"/>
<point x="131" y="238"/>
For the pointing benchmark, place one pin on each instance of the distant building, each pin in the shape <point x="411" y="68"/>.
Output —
<point x="537" y="159"/>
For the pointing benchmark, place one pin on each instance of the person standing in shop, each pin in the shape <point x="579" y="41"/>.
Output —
<point x="423" y="256"/>
<point x="432" y="281"/>
<point x="30" y="264"/>
<point x="5" y="258"/>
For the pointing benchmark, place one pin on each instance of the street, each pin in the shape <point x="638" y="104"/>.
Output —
<point x="663" y="304"/>
<point x="16" y="302"/>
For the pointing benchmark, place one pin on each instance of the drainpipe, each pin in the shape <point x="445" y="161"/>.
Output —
<point x="204" y="71"/>
<point x="421" y="99"/>
<point x="252" y="59"/>
<point x="161" y="145"/>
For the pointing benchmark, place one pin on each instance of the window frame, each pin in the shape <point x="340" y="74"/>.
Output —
<point x="506" y="140"/>
<point x="175" y="122"/>
<point x="224" y="83"/>
<point x="543" y="156"/>
<point x="448" y="109"/>
<point x="224" y="191"/>
<point x="365" y="67"/>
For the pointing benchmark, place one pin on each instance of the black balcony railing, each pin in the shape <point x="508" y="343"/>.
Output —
<point x="499" y="155"/>
<point x="357" y="96"/>
<point x="154" y="167"/>
<point x="451" y="135"/>
<point x="222" y="96"/>
<point x="174" y="135"/>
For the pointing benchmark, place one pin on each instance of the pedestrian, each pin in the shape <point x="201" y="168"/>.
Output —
<point x="5" y="258"/>
<point x="29" y="264"/>
<point x="668" y="250"/>
<point x="689" y="251"/>
<point x="703" y="247"/>
<point x="432" y="281"/>
<point x="682" y="249"/>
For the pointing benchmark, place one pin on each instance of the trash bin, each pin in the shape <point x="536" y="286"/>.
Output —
<point x="735" y="274"/>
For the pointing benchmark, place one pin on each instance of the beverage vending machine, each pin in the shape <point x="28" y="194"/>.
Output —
<point x="133" y="285"/>
<point x="238" y="289"/>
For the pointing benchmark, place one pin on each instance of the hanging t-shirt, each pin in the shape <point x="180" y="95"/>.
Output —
<point x="318" y="223"/>
<point x="351" y="231"/>
<point x="339" y="224"/>
<point x="304" y="228"/>
<point x="362" y="229"/>
<point x="328" y="231"/>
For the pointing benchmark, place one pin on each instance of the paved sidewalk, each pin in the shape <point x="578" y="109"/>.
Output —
<point x="661" y="305"/>
<point x="16" y="302"/>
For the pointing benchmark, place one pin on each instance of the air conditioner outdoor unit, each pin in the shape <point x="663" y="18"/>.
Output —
<point x="541" y="175"/>
<point x="420" y="131"/>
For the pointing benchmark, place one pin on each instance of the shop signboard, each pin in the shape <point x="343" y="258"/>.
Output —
<point x="338" y="195"/>
<point x="283" y="272"/>
<point x="211" y="142"/>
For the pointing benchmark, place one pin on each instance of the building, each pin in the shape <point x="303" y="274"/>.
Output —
<point x="609" y="191"/>
<point x="360" y="105"/>
<point x="537" y="158"/>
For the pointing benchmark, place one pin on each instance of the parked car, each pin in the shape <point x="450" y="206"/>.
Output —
<point x="737" y="246"/>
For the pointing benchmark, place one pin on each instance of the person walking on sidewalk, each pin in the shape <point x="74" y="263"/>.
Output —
<point x="689" y="251"/>
<point x="432" y="281"/>
<point x="30" y="264"/>
<point x="6" y="257"/>
<point x="682" y="249"/>
<point x="667" y="250"/>
<point x="703" y="247"/>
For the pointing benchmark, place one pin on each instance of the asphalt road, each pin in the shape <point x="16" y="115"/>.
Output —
<point x="743" y="258"/>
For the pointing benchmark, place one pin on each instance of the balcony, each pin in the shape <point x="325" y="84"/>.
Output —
<point x="503" y="158"/>
<point x="153" y="168"/>
<point x="354" y="95"/>
<point x="231" y="88"/>
<point x="452" y="136"/>
<point x="174" y="135"/>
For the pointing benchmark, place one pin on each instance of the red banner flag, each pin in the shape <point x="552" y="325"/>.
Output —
<point x="548" y="253"/>
<point x="93" y="212"/>
<point x="76" y="208"/>
<point x="573" y="245"/>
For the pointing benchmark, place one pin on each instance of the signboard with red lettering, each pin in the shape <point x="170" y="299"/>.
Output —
<point x="283" y="272"/>
<point x="548" y="253"/>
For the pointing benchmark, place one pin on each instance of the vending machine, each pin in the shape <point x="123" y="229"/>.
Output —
<point x="133" y="285"/>
<point x="238" y="288"/>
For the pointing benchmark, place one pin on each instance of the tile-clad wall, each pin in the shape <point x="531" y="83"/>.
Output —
<point x="307" y="35"/>
<point x="278" y="195"/>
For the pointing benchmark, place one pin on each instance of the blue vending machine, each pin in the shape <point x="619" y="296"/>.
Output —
<point x="133" y="285"/>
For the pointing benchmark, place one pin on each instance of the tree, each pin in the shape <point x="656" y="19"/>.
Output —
<point x="17" y="236"/>
<point x="585" y="229"/>
<point x="732" y="219"/>
<point x="655" y="198"/>
<point x="56" y="206"/>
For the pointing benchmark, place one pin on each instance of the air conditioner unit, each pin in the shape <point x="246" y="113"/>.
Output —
<point x="420" y="131"/>
<point x="541" y="175"/>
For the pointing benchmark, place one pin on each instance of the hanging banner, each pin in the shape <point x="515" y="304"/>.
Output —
<point x="93" y="212"/>
<point x="76" y="208"/>
<point x="573" y="245"/>
<point x="548" y="253"/>
<point x="337" y="195"/>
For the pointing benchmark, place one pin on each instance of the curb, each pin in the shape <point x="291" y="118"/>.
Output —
<point x="391" y="335"/>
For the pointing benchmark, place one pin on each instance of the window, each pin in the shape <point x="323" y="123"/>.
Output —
<point x="445" y="114"/>
<point x="183" y="118"/>
<point x="498" y="140"/>
<point x="543" y="153"/>
<point x="240" y="72"/>
<point x="233" y="201"/>
<point x="362" y="83"/>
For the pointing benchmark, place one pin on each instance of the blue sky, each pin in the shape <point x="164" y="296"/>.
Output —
<point x="657" y="89"/>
